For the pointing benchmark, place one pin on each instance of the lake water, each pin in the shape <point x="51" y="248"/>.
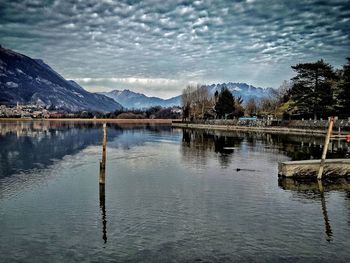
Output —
<point x="171" y="195"/>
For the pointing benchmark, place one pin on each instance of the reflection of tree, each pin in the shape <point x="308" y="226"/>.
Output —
<point x="195" y="147"/>
<point x="224" y="147"/>
<point x="298" y="147"/>
<point x="197" y="144"/>
<point x="309" y="147"/>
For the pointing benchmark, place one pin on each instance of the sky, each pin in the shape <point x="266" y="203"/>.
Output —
<point x="157" y="47"/>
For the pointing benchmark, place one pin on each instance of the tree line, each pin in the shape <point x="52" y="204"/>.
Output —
<point x="197" y="103"/>
<point x="154" y="112"/>
<point x="316" y="91"/>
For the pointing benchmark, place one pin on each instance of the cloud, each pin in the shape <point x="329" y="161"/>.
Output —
<point x="178" y="40"/>
<point x="161" y="86"/>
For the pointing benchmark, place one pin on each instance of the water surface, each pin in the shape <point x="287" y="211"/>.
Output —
<point x="171" y="195"/>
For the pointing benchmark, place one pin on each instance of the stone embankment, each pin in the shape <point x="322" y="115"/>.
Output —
<point x="318" y="127"/>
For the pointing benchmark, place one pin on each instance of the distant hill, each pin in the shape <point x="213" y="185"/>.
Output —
<point x="130" y="99"/>
<point x="133" y="100"/>
<point x="31" y="81"/>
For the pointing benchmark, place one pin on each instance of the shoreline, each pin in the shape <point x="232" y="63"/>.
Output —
<point x="126" y="121"/>
<point x="280" y="130"/>
<point x="176" y="124"/>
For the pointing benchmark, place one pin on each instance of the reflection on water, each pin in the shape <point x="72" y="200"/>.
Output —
<point x="297" y="147"/>
<point x="102" y="193"/>
<point x="197" y="145"/>
<point x="316" y="190"/>
<point x="325" y="213"/>
<point x="37" y="144"/>
<point x="171" y="195"/>
<point x="54" y="140"/>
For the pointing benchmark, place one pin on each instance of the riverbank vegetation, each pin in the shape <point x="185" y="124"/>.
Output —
<point x="316" y="91"/>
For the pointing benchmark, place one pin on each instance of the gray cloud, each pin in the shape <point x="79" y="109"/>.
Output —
<point x="180" y="41"/>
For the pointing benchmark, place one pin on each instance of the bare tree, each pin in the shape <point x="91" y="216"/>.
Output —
<point x="187" y="101"/>
<point x="271" y="105"/>
<point x="251" y="107"/>
<point x="196" y="101"/>
<point x="283" y="92"/>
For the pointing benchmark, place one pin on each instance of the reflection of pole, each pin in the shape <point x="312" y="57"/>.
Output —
<point x="325" y="148"/>
<point x="103" y="161"/>
<point x="329" y="232"/>
<point x="103" y="210"/>
<point x="102" y="181"/>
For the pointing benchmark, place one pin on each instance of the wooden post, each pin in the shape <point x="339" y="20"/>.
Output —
<point x="325" y="148"/>
<point x="103" y="161"/>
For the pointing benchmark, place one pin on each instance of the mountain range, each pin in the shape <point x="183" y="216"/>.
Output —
<point x="133" y="100"/>
<point x="30" y="81"/>
<point x="243" y="90"/>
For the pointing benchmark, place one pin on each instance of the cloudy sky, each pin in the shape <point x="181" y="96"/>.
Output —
<point x="158" y="46"/>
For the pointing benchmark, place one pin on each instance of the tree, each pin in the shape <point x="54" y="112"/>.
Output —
<point x="274" y="104"/>
<point x="216" y="96"/>
<point x="196" y="101"/>
<point x="312" y="88"/>
<point x="344" y="89"/>
<point x="152" y="111"/>
<point x="187" y="101"/>
<point x="283" y="104"/>
<point x="202" y="101"/>
<point x="225" y="104"/>
<point x="251" y="107"/>
<point x="283" y="93"/>
<point x="239" y="110"/>
<point x="267" y="106"/>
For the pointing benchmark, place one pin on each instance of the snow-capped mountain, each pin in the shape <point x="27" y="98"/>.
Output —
<point x="130" y="99"/>
<point x="31" y="81"/>
<point x="133" y="100"/>
<point x="242" y="90"/>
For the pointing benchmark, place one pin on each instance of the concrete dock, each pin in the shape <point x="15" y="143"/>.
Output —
<point x="308" y="169"/>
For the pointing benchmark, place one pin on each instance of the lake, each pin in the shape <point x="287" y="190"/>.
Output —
<point x="171" y="195"/>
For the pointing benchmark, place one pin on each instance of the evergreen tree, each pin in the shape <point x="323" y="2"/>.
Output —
<point x="312" y="88"/>
<point x="344" y="93"/>
<point x="225" y="104"/>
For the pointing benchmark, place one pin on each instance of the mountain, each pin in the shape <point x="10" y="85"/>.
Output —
<point x="242" y="90"/>
<point x="130" y="99"/>
<point x="31" y="81"/>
